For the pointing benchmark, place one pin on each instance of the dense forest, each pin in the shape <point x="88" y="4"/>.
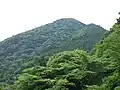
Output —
<point x="73" y="61"/>
<point x="34" y="47"/>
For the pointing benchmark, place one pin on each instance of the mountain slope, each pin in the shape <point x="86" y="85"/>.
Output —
<point x="108" y="48"/>
<point x="77" y="70"/>
<point x="35" y="46"/>
<point x="107" y="51"/>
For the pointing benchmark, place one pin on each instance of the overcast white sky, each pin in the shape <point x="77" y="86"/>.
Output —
<point x="20" y="15"/>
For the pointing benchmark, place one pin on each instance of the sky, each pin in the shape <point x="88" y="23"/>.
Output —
<point x="18" y="16"/>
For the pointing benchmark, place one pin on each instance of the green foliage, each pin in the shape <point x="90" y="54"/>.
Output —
<point x="117" y="88"/>
<point x="64" y="71"/>
<point x="68" y="70"/>
<point x="72" y="70"/>
<point x="76" y="70"/>
<point x="108" y="49"/>
<point x="34" y="47"/>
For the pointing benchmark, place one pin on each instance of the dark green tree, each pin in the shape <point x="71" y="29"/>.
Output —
<point x="118" y="20"/>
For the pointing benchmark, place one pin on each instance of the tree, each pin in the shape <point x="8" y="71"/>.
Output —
<point x="118" y="20"/>
<point x="64" y="71"/>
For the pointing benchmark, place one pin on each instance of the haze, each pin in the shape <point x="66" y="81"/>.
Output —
<point x="17" y="16"/>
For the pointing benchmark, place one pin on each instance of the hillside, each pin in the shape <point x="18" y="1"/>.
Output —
<point x="77" y="69"/>
<point x="107" y="51"/>
<point x="34" y="47"/>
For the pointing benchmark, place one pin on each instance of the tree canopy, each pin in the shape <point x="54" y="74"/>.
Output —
<point x="34" y="47"/>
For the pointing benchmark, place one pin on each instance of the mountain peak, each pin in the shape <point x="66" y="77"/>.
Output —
<point x="68" y="20"/>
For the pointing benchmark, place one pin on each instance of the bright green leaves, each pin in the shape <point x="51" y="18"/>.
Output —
<point x="108" y="52"/>
<point x="64" y="71"/>
<point x="108" y="49"/>
<point x="76" y="57"/>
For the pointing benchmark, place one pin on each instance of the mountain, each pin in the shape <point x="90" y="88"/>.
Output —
<point x="34" y="47"/>
<point x="77" y="69"/>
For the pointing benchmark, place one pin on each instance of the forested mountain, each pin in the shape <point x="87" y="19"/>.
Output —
<point x="33" y="47"/>
<point x="77" y="69"/>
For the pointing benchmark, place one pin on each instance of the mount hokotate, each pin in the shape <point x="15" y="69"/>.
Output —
<point x="34" y="47"/>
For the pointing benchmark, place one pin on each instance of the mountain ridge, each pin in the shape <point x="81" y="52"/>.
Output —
<point x="41" y="42"/>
